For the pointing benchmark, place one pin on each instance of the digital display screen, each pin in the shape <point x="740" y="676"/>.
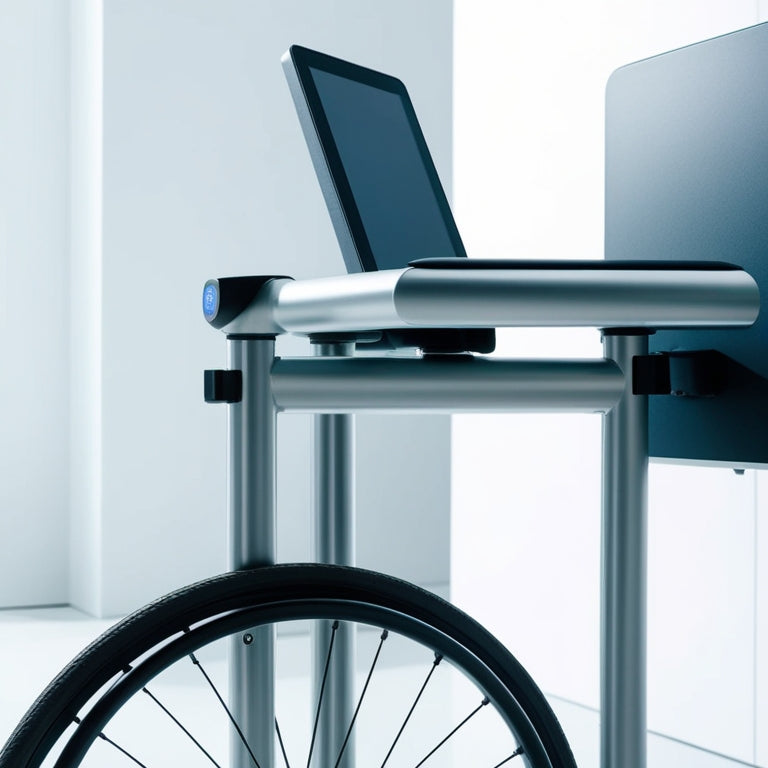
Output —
<point x="392" y="187"/>
<point x="687" y="179"/>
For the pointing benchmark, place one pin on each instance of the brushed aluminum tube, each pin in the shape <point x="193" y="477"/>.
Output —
<point x="450" y="384"/>
<point x="362" y="301"/>
<point x="252" y="543"/>
<point x="579" y="297"/>
<point x="624" y="568"/>
<point x="333" y="541"/>
<point x="472" y="298"/>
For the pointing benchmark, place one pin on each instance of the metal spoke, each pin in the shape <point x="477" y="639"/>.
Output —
<point x="109" y="741"/>
<point x="120" y="749"/>
<point x="518" y="751"/>
<point x="384" y="636"/>
<point x="175" y="720"/>
<point x="282" y="746"/>
<point x="438" y="659"/>
<point x="197" y="663"/>
<point x="461" y="724"/>
<point x="334" y="627"/>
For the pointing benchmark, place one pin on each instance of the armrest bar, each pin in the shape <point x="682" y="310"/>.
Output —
<point x="469" y="298"/>
<point x="456" y="384"/>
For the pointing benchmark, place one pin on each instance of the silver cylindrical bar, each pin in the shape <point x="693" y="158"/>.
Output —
<point x="494" y="298"/>
<point x="333" y="541"/>
<point x="624" y="568"/>
<point x="334" y="303"/>
<point x="252" y="543"/>
<point x="582" y="297"/>
<point x="453" y="384"/>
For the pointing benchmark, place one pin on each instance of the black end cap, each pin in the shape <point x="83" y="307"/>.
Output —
<point x="224" y="298"/>
<point x="223" y="386"/>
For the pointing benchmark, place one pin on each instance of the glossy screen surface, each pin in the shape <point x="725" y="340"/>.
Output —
<point x="687" y="179"/>
<point x="392" y="186"/>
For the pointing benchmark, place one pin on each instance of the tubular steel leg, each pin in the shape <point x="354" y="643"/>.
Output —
<point x="624" y="567"/>
<point x="333" y="535"/>
<point x="252" y="543"/>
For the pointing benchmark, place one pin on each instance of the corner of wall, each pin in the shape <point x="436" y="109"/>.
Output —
<point x="86" y="87"/>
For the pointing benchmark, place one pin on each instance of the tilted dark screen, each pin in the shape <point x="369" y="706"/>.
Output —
<point x="687" y="179"/>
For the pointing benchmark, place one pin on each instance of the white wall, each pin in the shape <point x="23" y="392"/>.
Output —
<point x="148" y="146"/>
<point x="85" y="303"/>
<point x="34" y="364"/>
<point x="204" y="172"/>
<point x="528" y="167"/>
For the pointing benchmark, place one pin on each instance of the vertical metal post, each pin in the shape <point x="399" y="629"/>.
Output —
<point x="333" y="541"/>
<point x="624" y="566"/>
<point x="252" y="543"/>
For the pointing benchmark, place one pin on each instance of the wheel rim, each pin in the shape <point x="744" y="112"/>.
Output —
<point x="208" y="631"/>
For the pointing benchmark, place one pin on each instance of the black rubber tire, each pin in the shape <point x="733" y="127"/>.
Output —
<point x="294" y="588"/>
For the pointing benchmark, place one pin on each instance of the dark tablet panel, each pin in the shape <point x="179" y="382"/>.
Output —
<point x="687" y="179"/>
<point x="380" y="183"/>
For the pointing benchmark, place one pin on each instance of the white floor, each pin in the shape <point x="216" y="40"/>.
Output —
<point x="34" y="644"/>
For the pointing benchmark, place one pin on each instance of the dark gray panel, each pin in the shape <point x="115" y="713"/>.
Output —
<point x="687" y="179"/>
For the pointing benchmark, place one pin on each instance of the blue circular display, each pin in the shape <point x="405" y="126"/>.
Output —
<point x="210" y="300"/>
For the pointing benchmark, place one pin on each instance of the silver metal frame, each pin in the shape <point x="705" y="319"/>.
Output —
<point x="492" y="298"/>
<point x="333" y="541"/>
<point x="252" y="480"/>
<point x="624" y="565"/>
<point x="335" y="385"/>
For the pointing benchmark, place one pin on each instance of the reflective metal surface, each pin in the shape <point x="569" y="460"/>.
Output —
<point x="450" y="384"/>
<point x="333" y="541"/>
<point x="356" y="302"/>
<point x="624" y="568"/>
<point x="594" y="298"/>
<point x="467" y="298"/>
<point x="252" y="542"/>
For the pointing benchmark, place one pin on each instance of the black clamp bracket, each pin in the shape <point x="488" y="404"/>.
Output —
<point x="698" y="373"/>
<point x="223" y="386"/>
<point x="429" y="340"/>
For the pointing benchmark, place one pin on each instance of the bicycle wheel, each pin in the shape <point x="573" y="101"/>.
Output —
<point x="502" y="716"/>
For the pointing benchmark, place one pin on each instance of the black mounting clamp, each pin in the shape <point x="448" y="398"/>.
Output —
<point x="223" y="386"/>
<point x="697" y="373"/>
